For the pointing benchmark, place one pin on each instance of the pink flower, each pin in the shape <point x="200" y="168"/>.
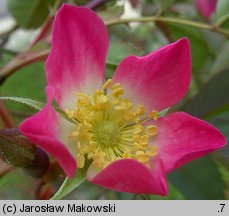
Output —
<point x="206" y="7"/>
<point x="116" y="124"/>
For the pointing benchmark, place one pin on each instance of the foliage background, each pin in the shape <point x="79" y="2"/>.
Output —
<point x="22" y="74"/>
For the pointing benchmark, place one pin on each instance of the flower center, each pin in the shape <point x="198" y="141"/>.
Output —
<point x="107" y="133"/>
<point x="109" y="127"/>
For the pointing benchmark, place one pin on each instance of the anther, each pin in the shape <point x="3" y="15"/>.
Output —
<point x="107" y="83"/>
<point x="153" y="114"/>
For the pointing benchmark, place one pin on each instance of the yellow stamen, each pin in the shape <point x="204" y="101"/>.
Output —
<point x="80" y="160"/>
<point x="107" y="83"/>
<point x="153" y="114"/>
<point x="117" y="92"/>
<point x="151" y="130"/>
<point x="109" y="127"/>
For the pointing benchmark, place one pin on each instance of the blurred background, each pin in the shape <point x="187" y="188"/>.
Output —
<point x="25" y="33"/>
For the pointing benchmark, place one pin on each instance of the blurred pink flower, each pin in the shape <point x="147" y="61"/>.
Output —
<point x="116" y="124"/>
<point x="206" y="7"/>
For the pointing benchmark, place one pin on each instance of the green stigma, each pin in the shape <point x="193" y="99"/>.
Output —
<point x="107" y="133"/>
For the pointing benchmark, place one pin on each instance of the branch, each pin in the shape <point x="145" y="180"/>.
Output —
<point x="5" y="116"/>
<point x="191" y="23"/>
<point x="20" y="61"/>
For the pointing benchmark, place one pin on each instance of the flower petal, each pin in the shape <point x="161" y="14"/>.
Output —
<point x="128" y="175"/>
<point x="43" y="130"/>
<point x="77" y="58"/>
<point x="206" y="7"/>
<point x="182" y="138"/>
<point x="159" y="79"/>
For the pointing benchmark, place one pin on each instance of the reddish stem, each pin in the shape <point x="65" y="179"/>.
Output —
<point x="5" y="116"/>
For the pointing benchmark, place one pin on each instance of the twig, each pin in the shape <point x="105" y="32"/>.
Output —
<point x="4" y="36"/>
<point x="5" y="116"/>
<point x="191" y="23"/>
<point x="11" y="67"/>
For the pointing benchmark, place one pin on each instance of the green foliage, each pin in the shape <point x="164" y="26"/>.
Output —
<point x="164" y="4"/>
<point x="33" y="80"/>
<point x="221" y="62"/>
<point x="212" y="96"/>
<point x="70" y="184"/>
<point x="196" y="180"/>
<point x="199" y="46"/>
<point x="222" y="13"/>
<point x="173" y="194"/>
<point x="25" y="101"/>
<point x="112" y="12"/>
<point x="212" y="103"/>
<point x="30" y="14"/>
<point x="220" y="119"/>
<point x="117" y="52"/>
<point x="16" y="185"/>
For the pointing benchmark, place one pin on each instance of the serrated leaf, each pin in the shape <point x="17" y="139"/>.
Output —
<point x="70" y="184"/>
<point x="37" y="105"/>
<point x="30" y="14"/>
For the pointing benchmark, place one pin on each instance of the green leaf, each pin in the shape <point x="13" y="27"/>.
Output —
<point x="222" y="13"/>
<point x="70" y="184"/>
<point x="111" y="12"/>
<point x="22" y="59"/>
<point x="164" y="4"/>
<point x="212" y="104"/>
<point x="31" y="79"/>
<point x="199" y="179"/>
<point x="212" y="96"/>
<point x="6" y="180"/>
<point x="30" y="14"/>
<point x="173" y="194"/>
<point x="221" y="63"/>
<point x="199" y="46"/>
<point x="220" y="119"/>
<point x="16" y="185"/>
<point x="37" y="105"/>
<point x="119" y="50"/>
<point x="32" y="83"/>
<point x="110" y="69"/>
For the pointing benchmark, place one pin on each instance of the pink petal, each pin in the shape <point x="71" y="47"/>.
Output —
<point x="159" y="79"/>
<point x="77" y="58"/>
<point x="128" y="175"/>
<point x="206" y="7"/>
<point x="182" y="138"/>
<point x="42" y="130"/>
